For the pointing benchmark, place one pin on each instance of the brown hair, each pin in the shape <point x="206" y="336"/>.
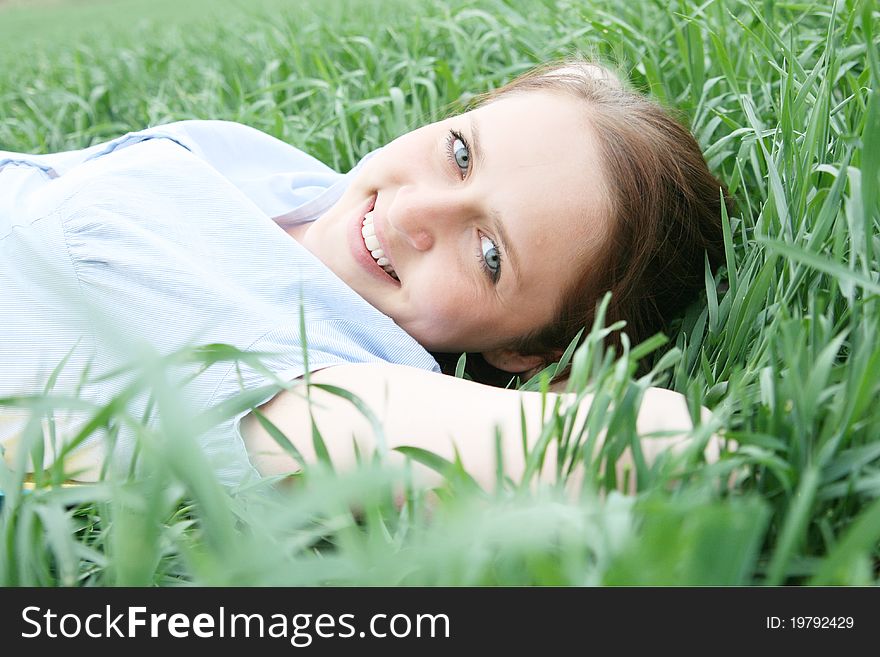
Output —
<point x="665" y="212"/>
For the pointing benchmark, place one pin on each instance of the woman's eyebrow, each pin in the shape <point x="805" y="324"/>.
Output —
<point x="475" y="142"/>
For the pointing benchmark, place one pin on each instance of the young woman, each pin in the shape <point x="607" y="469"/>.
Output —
<point x="494" y="232"/>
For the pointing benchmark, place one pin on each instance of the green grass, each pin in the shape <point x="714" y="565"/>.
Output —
<point x="784" y="99"/>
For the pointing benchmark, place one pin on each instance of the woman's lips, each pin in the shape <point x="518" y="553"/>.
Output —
<point x="359" y="250"/>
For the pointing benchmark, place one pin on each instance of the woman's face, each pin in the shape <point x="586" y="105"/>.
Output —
<point x="467" y="232"/>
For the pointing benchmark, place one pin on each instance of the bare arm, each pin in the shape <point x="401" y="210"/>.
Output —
<point x="433" y="412"/>
<point x="416" y="408"/>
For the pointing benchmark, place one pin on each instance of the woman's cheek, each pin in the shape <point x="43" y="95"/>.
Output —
<point x="429" y="323"/>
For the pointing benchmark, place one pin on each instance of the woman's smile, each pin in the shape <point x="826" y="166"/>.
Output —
<point x="365" y="244"/>
<point x="371" y="241"/>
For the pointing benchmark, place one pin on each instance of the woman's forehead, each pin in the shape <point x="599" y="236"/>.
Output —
<point x="545" y="137"/>
<point x="542" y="171"/>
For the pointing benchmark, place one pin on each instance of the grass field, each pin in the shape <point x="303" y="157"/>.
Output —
<point x="785" y="348"/>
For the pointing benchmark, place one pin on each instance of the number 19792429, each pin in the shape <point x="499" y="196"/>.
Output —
<point x="810" y="623"/>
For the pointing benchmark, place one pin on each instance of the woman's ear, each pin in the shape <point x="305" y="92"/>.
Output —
<point x="512" y="361"/>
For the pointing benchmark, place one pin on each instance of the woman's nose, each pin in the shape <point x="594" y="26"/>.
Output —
<point x="423" y="216"/>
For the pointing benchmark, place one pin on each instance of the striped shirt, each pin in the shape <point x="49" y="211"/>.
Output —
<point x="168" y="238"/>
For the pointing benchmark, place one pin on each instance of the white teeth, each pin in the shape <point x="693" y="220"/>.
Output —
<point x="369" y="234"/>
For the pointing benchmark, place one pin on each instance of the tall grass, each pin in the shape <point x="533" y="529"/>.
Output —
<point x="784" y="99"/>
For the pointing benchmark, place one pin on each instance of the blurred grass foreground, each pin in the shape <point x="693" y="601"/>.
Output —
<point x="784" y="100"/>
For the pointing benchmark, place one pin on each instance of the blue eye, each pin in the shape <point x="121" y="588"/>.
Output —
<point x="459" y="153"/>
<point x="491" y="258"/>
<point x="462" y="156"/>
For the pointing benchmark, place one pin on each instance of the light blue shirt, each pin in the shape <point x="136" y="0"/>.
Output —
<point x="166" y="238"/>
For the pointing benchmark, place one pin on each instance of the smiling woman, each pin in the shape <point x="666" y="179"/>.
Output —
<point x="494" y="232"/>
<point x="476" y="212"/>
